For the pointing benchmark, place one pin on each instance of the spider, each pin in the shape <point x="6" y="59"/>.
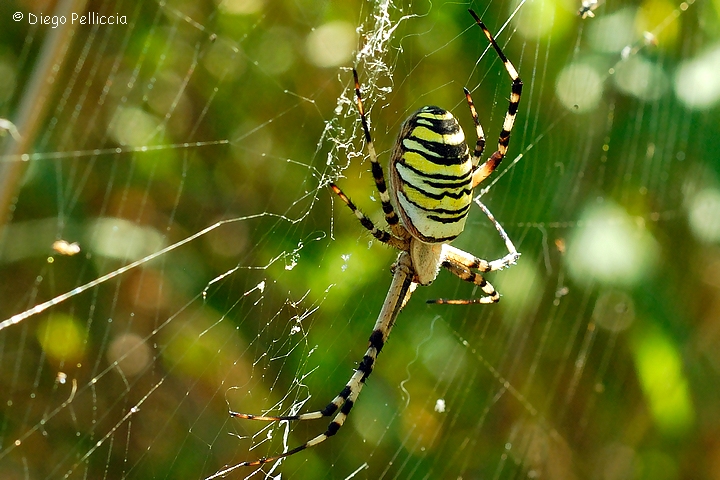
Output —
<point x="432" y="177"/>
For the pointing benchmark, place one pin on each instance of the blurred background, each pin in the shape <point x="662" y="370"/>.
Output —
<point x="207" y="132"/>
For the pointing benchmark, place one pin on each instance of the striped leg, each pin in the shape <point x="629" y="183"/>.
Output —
<point x="464" y="274"/>
<point x="378" y="233"/>
<point x="484" y="170"/>
<point x="480" y="143"/>
<point x="469" y="260"/>
<point x="461" y="264"/>
<point x="397" y="296"/>
<point x="377" y="172"/>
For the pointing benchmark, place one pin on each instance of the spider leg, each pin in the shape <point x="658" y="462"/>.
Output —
<point x="469" y="260"/>
<point x="377" y="172"/>
<point x="397" y="296"/>
<point x="460" y="264"/>
<point x="480" y="143"/>
<point x="484" y="170"/>
<point x="492" y="296"/>
<point x="381" y="235"/>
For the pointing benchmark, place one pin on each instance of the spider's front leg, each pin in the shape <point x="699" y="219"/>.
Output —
<point x="491" y="295"/>
<point x="481" y="172"/>
<point x="461" y="264"/>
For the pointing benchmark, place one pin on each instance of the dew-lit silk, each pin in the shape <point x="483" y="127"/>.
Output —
<point x="431" y="175"/>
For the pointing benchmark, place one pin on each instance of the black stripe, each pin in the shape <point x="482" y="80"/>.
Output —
<point x="504" y="138"/>
<point x="461" y="183"/>
<point x="367" y="223"/>
<point x="347" y="407"/>
<point x="435" y="110"/>
<point x="460" y="212"/>
<point x="437" y="176"/>
<point x="376" y="340"/>
<point x="442" y="126"/>
<point x="446" y="219"/>
<point x="517" y="87"/>
<point x="477" y="262"/>
<point x="293" y="451"/>
<point x="378" y="176"/>
<point x="345" y="392"/>
<point x="332" y="428"/>
<point x="458" y="184"/>
<point x="440" y="196"/>
<point x="366" y="366"/>
<point x="438" y="240"/>
<point x="329" y="410"/>
<point x="382" y="235"/>
<point x="447" y="154"/>
<point x="479" y="147"/>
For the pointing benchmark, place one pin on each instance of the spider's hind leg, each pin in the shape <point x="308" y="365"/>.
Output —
<point x="343" y="401"/>
<point x="397" y="296"/>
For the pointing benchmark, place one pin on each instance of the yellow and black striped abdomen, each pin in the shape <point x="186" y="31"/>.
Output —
<point x="431" y="175"/>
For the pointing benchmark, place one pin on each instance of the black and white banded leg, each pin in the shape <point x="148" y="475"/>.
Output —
<point x="484" y="170"/>
<point x="340" y="406"/>
<point x="391" y="217"/>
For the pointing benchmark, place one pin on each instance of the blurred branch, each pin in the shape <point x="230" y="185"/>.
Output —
<point x="33" y="106"/>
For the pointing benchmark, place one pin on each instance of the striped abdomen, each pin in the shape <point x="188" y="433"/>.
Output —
<point x="431" y="175"/>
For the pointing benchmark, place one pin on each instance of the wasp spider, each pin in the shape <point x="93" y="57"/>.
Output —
<point x="432" y="177"/>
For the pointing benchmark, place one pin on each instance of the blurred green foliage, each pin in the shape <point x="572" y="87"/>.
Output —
<point x="571" y="375"/>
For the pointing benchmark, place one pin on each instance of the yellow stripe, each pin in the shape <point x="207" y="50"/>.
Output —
<point x="430" y="229"/>
<point x="424" y="133"/>
<point x="445" y="203"/>
<point x="419" y="163"/>
<point x="416" y="146"/>
<point x="445" y="116"/>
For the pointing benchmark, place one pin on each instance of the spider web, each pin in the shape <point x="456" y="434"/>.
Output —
<point x="170" y="252"/>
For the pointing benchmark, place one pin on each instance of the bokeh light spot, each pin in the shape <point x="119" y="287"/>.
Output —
<point x="223" y="60"/>
<point x="540" y="19"/>
<point x="130" y="352"/>
<point x="579" y="87"/>
<point x="331" y="45"/>
<point x="133" y="126"/>
<point x="610" y="247"/>
<point x="520" y="288"/>
<point x="124" y="240"/>
<point x="704" y="215"/>
<point x="61" y="337"/>
<point x="276" y="52"/>
<point x="697" y="82"/>
<point x="241" y="7"/>
<point x="614" y="310"/>
<point x="641" y="78"/>
<point x="611" y="33"/>
<point x="659" y="367"/>
<point x="653" y="13"/>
